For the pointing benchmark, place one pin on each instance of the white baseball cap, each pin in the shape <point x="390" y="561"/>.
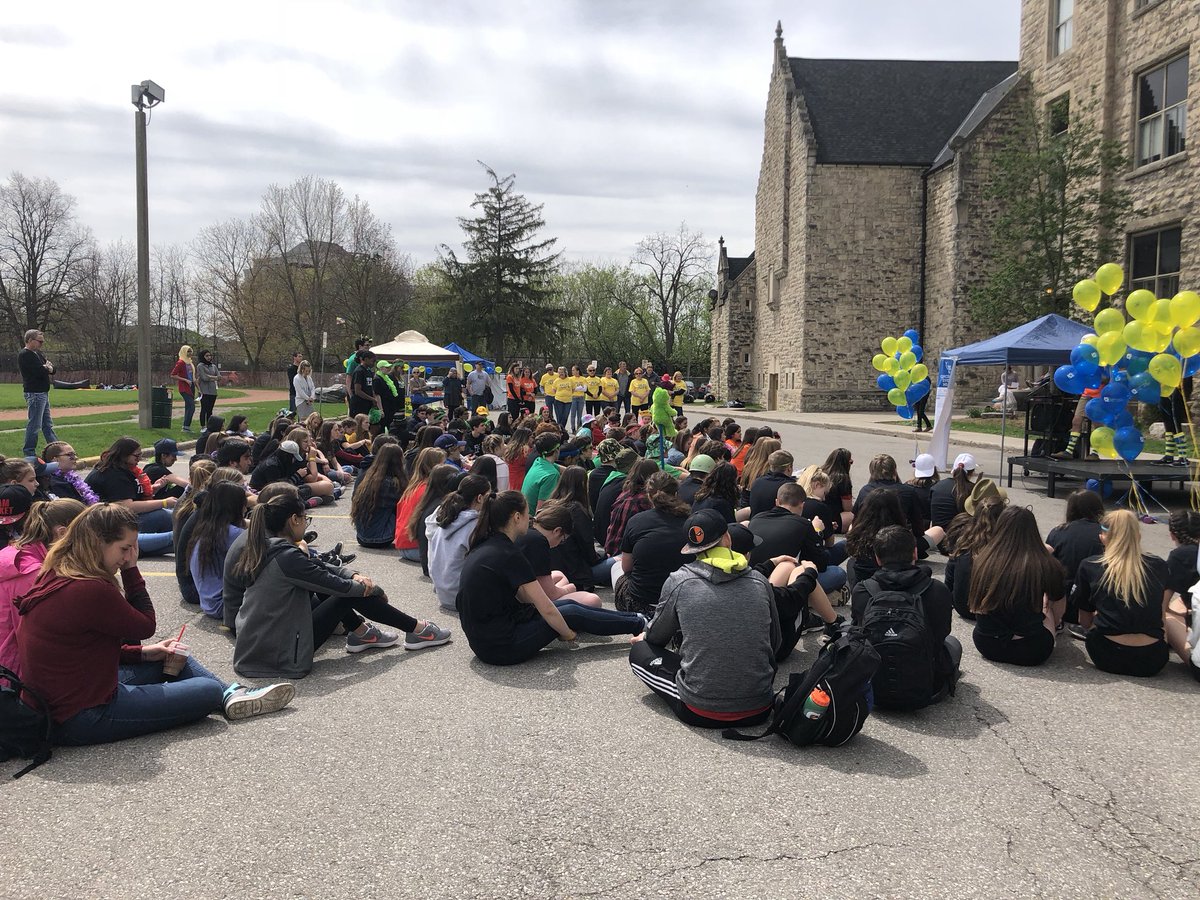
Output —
<point x="292" y="448"/>
<point x="924" y="466"/>
<point x="964" y="461"/>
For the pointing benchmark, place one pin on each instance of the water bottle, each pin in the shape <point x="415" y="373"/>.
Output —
<point x="816" y="704"/>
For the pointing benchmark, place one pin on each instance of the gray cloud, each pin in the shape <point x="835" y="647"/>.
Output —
<point x="33" y="35"/>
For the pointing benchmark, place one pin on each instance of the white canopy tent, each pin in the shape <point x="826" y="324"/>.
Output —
<point x="412" y="346"/>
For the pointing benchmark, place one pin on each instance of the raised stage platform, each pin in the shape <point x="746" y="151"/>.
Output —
<point x="1144" y="473"/>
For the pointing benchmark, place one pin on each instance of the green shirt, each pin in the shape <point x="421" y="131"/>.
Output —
<point x="540" y="482"/>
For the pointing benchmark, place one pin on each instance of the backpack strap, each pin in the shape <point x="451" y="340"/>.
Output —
<point x="46" y="744"/>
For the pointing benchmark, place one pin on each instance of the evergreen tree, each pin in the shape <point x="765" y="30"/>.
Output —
<point x="503" y="293"/>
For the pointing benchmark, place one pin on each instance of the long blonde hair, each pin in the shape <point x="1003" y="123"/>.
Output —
<point x="198" y="478"/>
<point x="80" y="553"/>
<point x="1124" y="571"/>
<point x="757" y="461"/>
<point x="44" y="516"/>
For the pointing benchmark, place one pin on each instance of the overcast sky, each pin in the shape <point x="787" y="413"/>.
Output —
<point x="624" y="117"/>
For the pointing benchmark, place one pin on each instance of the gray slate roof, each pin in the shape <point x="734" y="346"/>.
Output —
<point x="976" y="117"/>
<point x="890" y="111"/>
<point x="738" y="264"/>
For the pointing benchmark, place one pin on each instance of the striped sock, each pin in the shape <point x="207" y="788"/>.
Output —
<point x="1181" y="444"/>
<point x="1072" y="442"/>
<point x="1170" y="445"/>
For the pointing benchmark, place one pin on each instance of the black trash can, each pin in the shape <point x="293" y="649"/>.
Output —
<point x="160" y="407"/>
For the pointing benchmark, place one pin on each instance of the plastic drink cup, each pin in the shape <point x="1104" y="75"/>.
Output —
<point x="176" y="660"/>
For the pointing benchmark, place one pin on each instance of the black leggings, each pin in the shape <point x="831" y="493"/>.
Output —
<point x="331" y="610"/>
<point x="531" y="636"/>
<point x="657" y="667"/>
<point x="1032" y="650"/>
<point x="1174" y="415"/>
<point x="207" y="402"/>
<point x="1121" y="659"/>
<point x="919" y="411"/>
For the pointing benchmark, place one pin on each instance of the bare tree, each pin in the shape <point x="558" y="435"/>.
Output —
<point x="42" y="252"/>
<point x="372" y="280"/>
<point x="675" y="269"/>
<point x="231" y="280"/>
<point x="174" y="305"/>
<point x="106" y="305"/>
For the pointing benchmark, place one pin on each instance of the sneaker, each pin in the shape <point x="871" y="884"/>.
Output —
<point x="833" y="630"/>
<point x="1182" y="461"/>
<point x="429" y="636"/>
<point x="312" y="502"/>
<point x="186" y="430"/>
<point x="243" y="702"/>
<point x="810" y="622"/>
<point x="1165" y="461"/>
<point x="374" y="638"/>
<point x="1062" y="454"/>
<point x="1077" y="631"/>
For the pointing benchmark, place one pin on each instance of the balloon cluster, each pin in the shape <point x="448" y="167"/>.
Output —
<point x="1142" y="358"/>
<point x="903" y="377"/>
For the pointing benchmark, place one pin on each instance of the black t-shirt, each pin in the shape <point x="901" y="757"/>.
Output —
<point x="155" y="471"/>
<point x="764" y="489"/>
<point x="1181" y="570"/>
<point x="536" y="550"/>
<point x="721" y="505"/>
<point x="958" y="580"/>
<point x="362" y="379"/>
<point x="942" y="507"/>
<point x="1113" y="615"/>
<point x="487" y="603"/>
<point x="63" y="489"/>
<point x="689" y="486"/>
<point x="828" y="515"/>
<point x="604" y="504"/>
<point x="840" y="490"/>
<point x="786" y="534"/>
<point x="115" y="484"/>
<point x="1075" y="542"/>
<point x="595" y="482"/>
<point x="655" y="539"/>
<point x="34" y="377"/>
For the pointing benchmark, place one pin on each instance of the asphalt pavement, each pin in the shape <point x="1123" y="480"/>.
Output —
<point x="428" y="774"/>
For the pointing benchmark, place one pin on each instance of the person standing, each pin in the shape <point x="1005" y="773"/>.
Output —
<point x="208" y="376"/>
<point x="477" y="382"/>
<point x="390" y="393"/>
<point x="512" y="390"/>
<point x="363" y="343"/>
<point x="548" y="382"/>
<point x="678" y="390"/>
<point x="35" y="382"/>
<point x="304" y="392"/>
<point x="184" y="373"/>
<point x="452" y="390"/>
<point x="364" y="396"/>
<point x="623" y="379"/>
<point x="639" y="393"/>
<point x="593" y="391"/>
<point x="292" y="371"/>
<point x="528" y="390"/>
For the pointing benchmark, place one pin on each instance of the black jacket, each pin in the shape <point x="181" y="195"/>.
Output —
<point x="764" y="489"/>
<point x="786" y="534"/>
<point x="604" y="505"/>
<point x="910" y="505"/>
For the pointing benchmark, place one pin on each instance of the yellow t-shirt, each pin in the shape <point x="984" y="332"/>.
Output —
<point x="563" y="389"/>
<point x="593" y="387"/>
<point x="678" y="392"/>
<point x="608" y="389"/>
<point x="578" y="386"/>
<point x="639" y="391"/>
<point x="547" y="383"/>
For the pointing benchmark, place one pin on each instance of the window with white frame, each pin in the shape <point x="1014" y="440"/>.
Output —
<point x="1064" y="10"/>
<point x="1155" y="261"/>
<point x="1162" y="111"/>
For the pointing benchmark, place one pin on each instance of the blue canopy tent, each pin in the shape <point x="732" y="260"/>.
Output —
<point x="496" y="379"/>
<point x="1047" y="341"/>
<point x="489" y="366"/>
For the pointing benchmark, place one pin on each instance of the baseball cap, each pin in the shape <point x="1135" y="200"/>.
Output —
<point x="964" y="461"/>
<point x="15" y="501"/>
<point x="704" y="529"/>
<point x="742" y="539"/>
<point x="446" y="441"/>
<point x="291" y="447"/>
<point x="702" y="463"/>
<point x="924" y="466"/>
<point x="163" y="446"/>
<point x="383" y="364"/>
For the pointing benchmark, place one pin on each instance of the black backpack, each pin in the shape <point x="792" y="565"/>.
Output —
<point x="843" y="670"/>
<point x="894" y="622"/>
<point x="25" y="731"/>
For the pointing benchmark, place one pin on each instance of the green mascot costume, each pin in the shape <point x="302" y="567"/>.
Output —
<point x="663" y="417"/>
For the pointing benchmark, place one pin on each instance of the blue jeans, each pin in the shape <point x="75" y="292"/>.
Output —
<point x="189" y="409"/>
<point x="530" y="637"/>
<point x="145" y="703"/>
<point x="577" y="412"/>
<point x="476" y="401"/>
<point x="832" y="578"/>
<point x="562" y="412"/>
<point x="601" y="570"/>
<point x="38" y="406"/>
<point x="154" y="532"/>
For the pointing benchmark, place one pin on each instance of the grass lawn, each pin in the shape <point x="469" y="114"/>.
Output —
<point x="12" y="397"/>
<point x="90" y="434"/>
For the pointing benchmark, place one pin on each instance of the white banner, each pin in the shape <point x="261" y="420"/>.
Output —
<point x="939" y="442"/>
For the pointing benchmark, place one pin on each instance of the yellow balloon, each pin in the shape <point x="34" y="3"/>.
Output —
<point x="888" y="345"/>
<point x="1162" y="312"/>
<point x="919" y="372"/>
<point x="903" y="379"/>
<point x="467" y="367"/>
<point x="1109" y="320"/>
<point x="1087" y="294"/>
<point x="1185" y="308"/>
<point x="1089" y="339"/>
<point x="904" y="344"/>
<point x="1110" y="277"/>
<point x="879" y="362"/>
<point x="896" y="397"/>
<point x="1140" y="305"/>
<point x="908" y="359"/>
<point x="1111" y="346"/>
<point x="1140" y="337"/>
<point x="1187" y="341"/>
<point x="1102" y="438"/>
<point x="893" y="365"/>
<point x="1166" y="370"/>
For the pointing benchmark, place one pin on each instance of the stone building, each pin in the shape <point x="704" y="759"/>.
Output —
<point x="872" y="214"/>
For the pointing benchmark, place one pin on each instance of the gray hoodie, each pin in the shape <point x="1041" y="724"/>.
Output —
<point x="447" y="551"/>
<point x="730" y="631"/>
<point x="274" y="621"/>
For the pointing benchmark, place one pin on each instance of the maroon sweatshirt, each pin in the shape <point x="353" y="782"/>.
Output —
<point x="72" y="637"/>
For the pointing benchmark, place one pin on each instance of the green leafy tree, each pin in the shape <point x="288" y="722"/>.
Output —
<point x="1059" y="207"/>
<point x="502" y="292"/>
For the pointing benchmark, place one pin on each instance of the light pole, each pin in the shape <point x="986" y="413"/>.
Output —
<point x="144" y="96"/>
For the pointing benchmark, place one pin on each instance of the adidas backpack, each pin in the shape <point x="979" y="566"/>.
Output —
<point x="894" y="622"/>
<point x="25" y="731"/>
<point x="843" y="670"/>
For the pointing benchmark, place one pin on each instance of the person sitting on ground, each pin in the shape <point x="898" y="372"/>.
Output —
<point x="949" y="496"/>
<point x="1016" y="593"/>
<point x="268" y="440"/>
<point x="373" y="506"/>
<point x="649" y="547"/>
<point x="575" y="556"/>
<point x="505" y="614"/>
<point x="278" y="626"/>
<point x="542" y="475"/>
<point x="610" y="491"/>
<point x="884" y="476"/>
<point x="234" y="455"/>
<point x="785" y="532"/>
<point x="286" y="464"/>
<point x="1121" y="596"/>
<point x="1077" y="539"/>
<point x="632" y="500"/>
<point x="331" y="440"/>
<point x="77" y="622"/>
<point x="722" y="614"/>
<point x="549" y="529"/>
<point x="606" y="458"/>
<point x="817" y="506"/>
<point x="492" y="448"/>
<point x="1182" y="575"/>
<point x="698" y="468"/>
<point x="841" y="489"/>
<point x="219" y="519"/>
<point x="321" y="484"/>
<point x="448" y="529"/>
<point x="879" y="510"/>
<point x="517" y="454"/>
<point x="443" y="481"/>
<point x="215" y="425"/>
<point x="908" y="678"/>
<point x="925" y="476"/>
<point x="117" y="478"/>
<point x="478" y="430"/>
<point x="452" y="446"/>
<point x="408" y="508"/>
<point x="166" y="483"/>
<point x="719" y="492"/>
<point x="765" y="486"/>
<point x="65" y="482"/>
<point x="756" y="465"/>
<point x="21" y="561"/>
<point x="967" y="537"/>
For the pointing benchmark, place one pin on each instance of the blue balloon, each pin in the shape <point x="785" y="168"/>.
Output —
<point x="913" y="336"/>
<point x="1119" y="376"/>
<point x="1096" y="410"/>
<point x="1067" y="380"/>
<point x="1191" y="366"/>
<point x="921" y="387"/>
<point x="1102" y="486"/>
<point x="1085" y="358"/>
<point x="1144" y="389"/>
<point x="918" y="352"/>
<point x="1128" y="443"/>
<point x="1135" y="361"/>
<point x="1091" y="382"/>
<point x="904" y="412"/>
<point x="886" y="382"/>
<point x="1123" y="419"/>
<point x="1115" y="394"/>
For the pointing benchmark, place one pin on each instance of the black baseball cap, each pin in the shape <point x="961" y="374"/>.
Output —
<point x="15" y="501"/>
<point x="163" y="446"/>
<point x="704" y="529"/>
<point x="743" y="540"/>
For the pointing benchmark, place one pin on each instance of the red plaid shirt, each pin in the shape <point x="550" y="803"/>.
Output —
<point x="625" y="508"/>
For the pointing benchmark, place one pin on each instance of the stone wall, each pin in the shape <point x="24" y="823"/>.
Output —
<point x="733" y="336"/>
